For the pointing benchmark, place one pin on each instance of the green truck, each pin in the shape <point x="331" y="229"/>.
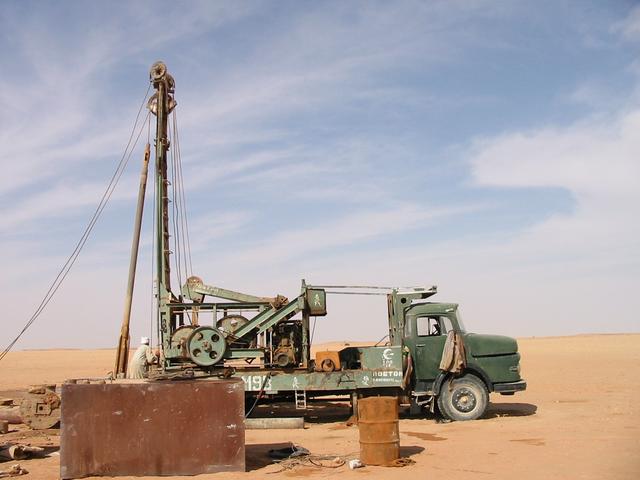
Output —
<point x="271" y="352"/>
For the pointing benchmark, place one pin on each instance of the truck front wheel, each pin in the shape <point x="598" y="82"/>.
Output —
<point x="463" y="398"/>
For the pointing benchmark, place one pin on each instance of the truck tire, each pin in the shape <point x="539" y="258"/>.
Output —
<point x="463" y="398"/>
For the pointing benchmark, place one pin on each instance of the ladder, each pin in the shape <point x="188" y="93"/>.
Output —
<point x="301" y="399"/>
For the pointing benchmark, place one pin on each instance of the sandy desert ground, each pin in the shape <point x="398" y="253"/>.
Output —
<point x="579" y="419"/>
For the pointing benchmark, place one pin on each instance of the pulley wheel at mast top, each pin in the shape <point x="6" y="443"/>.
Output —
<point x="206" y="346"/>
<point x="157" y="71"/>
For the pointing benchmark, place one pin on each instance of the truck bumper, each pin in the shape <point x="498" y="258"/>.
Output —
<point x="510" y="387"/>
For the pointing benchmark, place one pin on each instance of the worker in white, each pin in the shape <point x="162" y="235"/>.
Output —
<point x="142" y="358"/>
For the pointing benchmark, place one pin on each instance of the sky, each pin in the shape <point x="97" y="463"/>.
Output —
<point x="489" y="148"/>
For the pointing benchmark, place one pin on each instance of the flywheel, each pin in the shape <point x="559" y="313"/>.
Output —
<point x="229" y="325"/>
<point x="206" y="346"/>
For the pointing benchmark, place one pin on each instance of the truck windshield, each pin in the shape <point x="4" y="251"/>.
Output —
<point x="460" y="322"/>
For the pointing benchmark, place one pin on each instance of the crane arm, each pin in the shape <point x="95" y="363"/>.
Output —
<point x="195" y="290"/>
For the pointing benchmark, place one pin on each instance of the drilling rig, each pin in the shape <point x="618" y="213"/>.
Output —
<point x="205" y="330"/>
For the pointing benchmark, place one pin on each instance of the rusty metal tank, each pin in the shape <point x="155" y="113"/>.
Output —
<point x="379" y="433"/>
<point x="140" y="428"/>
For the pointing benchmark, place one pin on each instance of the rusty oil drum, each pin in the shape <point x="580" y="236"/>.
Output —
<point x="379" y="434"/>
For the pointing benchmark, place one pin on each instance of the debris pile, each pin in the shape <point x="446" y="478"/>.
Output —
<point x="19" y="452"/>
<point x="294" y="456"/>
<point x="15" y="471"/>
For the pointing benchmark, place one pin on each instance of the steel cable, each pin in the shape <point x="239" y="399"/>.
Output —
<point x="183" y="199"/>
<point x="179" y="199"/>
<point x="153" y="243"/>
<point x="174" y="208"/>
<point x="66" y="268"/>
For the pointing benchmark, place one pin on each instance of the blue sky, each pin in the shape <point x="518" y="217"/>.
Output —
<point x="490" y="148"/>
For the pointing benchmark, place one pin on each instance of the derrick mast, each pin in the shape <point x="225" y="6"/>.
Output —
<point x="161" y="104"/>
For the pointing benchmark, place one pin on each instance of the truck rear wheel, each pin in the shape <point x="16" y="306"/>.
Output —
<point x="463" y="398"/>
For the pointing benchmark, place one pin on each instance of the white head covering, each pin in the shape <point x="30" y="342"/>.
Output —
<point x="144" y="341"/>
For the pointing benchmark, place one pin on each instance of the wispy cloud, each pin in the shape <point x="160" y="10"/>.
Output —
<point x="56" y="115"/>
<point x="356" y="228"/>
<point x="57" y="203"/>
<point x="331" y="140"/>
<point x="629" y="27"/>
<point x="597" y="162"/>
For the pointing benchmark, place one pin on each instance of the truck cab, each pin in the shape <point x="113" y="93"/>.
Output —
<point x="490" y="363"/>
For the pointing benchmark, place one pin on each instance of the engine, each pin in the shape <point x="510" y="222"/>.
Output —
<point x="287" y="344"/>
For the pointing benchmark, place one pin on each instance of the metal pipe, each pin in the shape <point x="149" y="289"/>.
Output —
<point x="11" y="415"/>
<point x="273" y="423"/>
<point x="122" y="355"/>
<point x="162" y="145"/>
<point x="415" y="288"/>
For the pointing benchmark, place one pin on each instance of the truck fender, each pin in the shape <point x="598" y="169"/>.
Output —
<point x="482" y="376"/>
<point x="437" y="383"/>
<point x="442" y="376"/>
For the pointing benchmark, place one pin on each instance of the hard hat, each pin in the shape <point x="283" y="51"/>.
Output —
<point x="144" y="341"/>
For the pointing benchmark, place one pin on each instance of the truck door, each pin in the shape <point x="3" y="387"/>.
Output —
<point x="430" y="336"/>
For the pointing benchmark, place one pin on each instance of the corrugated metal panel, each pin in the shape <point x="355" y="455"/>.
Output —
<point x="152" y="428"/>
